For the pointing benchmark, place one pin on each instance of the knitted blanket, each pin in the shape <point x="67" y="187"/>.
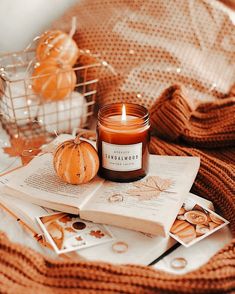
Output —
<point x="207" y="131"/>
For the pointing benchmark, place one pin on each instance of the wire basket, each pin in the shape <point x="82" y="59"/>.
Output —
<point x="24" y="113"/>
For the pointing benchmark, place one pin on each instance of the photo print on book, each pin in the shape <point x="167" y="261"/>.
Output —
<point x="67" y="232"/>
<point x="194" y="223"/>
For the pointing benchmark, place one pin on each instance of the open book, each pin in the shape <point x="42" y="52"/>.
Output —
<point x="149" y="205"/>
<point x="142" y="248"/>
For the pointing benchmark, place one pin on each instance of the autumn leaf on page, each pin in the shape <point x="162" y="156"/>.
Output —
<point x="25" y="148"/>
<point x="97" y="234"/>
<point x="151" y="188"/>
<point x="69" y="229"/>
<point x="79" y="238"/>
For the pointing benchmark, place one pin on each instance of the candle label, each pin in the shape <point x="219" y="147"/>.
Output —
<point x="121" y="157"/>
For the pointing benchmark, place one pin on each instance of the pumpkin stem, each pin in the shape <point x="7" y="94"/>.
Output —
<point x="77" y="140"/>
<point x="73" y="27"/>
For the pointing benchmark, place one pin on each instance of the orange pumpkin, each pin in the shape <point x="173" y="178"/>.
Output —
<point x="57" y="45"/>
<point x="76" y="162"/>
<point x="52" y="80"/>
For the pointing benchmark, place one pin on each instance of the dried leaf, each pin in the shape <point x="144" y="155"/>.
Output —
<point x="144" y="194"/>
<point x="65" y="219"/>
<point x="150" y="188"/>
<point x="25" y="148"/>
<point x="97" y="234"/>
<point x="17" y="145"/>
<point x="71" y="230"/>
<point x="79" y="238"/>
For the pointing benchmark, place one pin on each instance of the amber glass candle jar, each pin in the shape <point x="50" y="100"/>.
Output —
<point x="122" y="141"/>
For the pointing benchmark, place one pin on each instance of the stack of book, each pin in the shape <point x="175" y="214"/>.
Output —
<point x="103" y="220"/>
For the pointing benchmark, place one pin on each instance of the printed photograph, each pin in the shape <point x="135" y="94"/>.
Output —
<point x="67" y="232"/>
<point x="194" y="223"/>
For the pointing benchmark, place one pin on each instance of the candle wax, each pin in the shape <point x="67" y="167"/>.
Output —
<point x="119" y="118"/>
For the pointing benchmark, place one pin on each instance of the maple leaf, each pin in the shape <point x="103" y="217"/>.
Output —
<point x="151" y="188"/>
<point x="79" y="238"/>
<point x="26" y="149"/>
<point x="71" y="230"/>
<point x="97" y="234"/>
<point x="66" y="218"/>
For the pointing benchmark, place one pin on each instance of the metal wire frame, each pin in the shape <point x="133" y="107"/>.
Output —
<point x="23" y="113"/>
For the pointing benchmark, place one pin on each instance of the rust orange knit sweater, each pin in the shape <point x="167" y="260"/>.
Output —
<point x="207" y="131"/>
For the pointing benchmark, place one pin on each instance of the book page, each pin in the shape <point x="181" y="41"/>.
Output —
<point x="39" y="180"/>
<point x="141" y="248"/>
<point x="24" y="211"/>
<point x="155" y="198"/>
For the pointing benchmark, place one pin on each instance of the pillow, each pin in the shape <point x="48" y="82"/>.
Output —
<point x="153" y="44"/>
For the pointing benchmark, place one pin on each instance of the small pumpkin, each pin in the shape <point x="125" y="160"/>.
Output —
<point x="58" y="45"/>
<point x="76" y="162"/>
<point x="53" y="80"/>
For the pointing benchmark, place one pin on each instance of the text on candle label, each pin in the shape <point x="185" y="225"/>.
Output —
<point x="121" y="157"/>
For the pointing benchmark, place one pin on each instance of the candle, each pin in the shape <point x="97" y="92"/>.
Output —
<point x="122" y="143"/>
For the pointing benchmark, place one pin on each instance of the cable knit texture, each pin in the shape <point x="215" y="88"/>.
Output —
<point x="24" y="271"/>
<point x="210" y="125"/>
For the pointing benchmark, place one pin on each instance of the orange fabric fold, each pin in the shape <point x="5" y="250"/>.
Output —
<point x="210" y="125"/>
